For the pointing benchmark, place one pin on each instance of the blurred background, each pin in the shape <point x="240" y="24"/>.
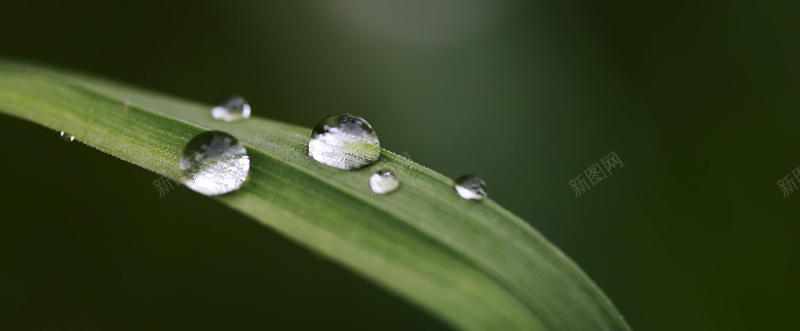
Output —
<point x="699" y="99"/>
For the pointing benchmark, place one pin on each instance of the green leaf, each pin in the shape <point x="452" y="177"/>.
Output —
<point x="471" y="263"/>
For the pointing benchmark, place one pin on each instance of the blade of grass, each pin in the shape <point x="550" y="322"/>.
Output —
<point x="473" y="264"/>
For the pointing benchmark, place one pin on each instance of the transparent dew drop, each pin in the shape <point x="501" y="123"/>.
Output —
<point x="231" y="109"/>
<point x="344" y="141"/>
<point x="67" y="136"/>
<point x="214" y="163"/>
<point x="471" y="187"/>
<point x="383" y="182"/>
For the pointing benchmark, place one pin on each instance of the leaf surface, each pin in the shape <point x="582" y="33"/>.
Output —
<point x="471" y="263"/>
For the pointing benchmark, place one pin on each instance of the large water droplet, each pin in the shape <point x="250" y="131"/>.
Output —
<point x="214" y="162"/>
<point x="344" y="141"/>
<point x="67" y="136"/>
<point x="230" y="109"/>
<point x="471" y="187"/>
<point x="383" y="182"/>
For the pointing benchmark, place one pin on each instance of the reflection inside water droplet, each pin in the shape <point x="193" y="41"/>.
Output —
<point x="383" y="182"/>
<point x="471" y="187"/>
<point x="214" y="163"/>
<point x="67" y="136"/>
<point x="344" y="141"/>
<point x="231" y="108"/>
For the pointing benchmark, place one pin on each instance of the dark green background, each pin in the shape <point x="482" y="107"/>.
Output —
<point x="698" y="98"/>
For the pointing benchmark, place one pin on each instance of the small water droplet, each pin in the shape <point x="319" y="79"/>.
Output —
<point x="231" y="109"/>
<point x="344" y="141"/>
<point x="214" y="163"/>
<point x="383" y="182"/>
<point x="471" y="187"/>
<point x="67" y="136"/>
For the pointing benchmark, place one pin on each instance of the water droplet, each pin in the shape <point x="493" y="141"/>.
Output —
<point x="67" y="136"/>
<point x="231" y="109"/>
<point x="471" y="187"/>
<point x="344" y="141"/>
<point x="383" y="182"/>
<point x="214" y="163"/>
